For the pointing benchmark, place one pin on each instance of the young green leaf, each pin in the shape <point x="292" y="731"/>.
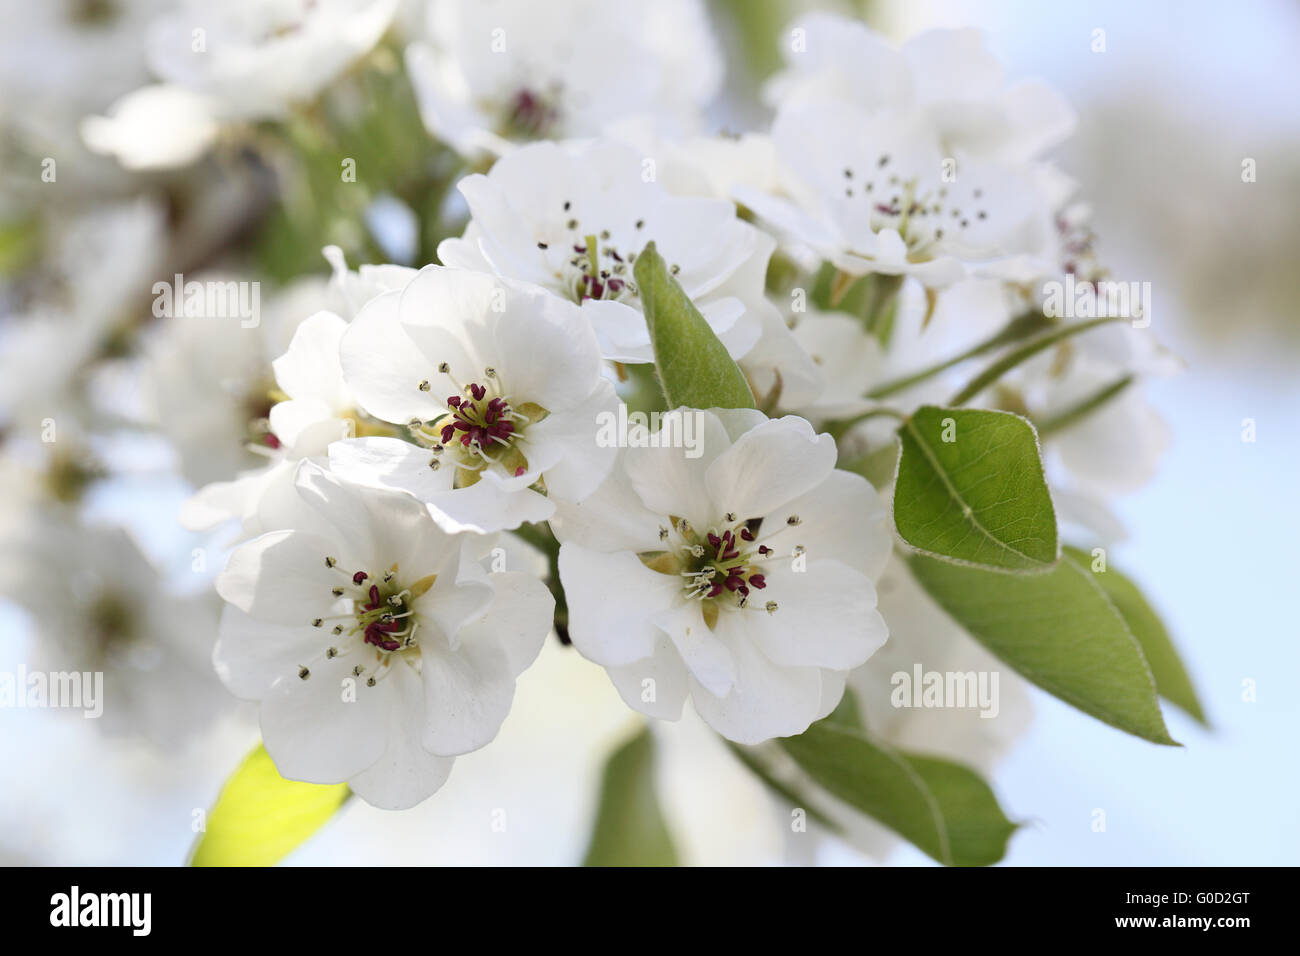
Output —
<point x="945" y="809"/>
<point x="971" y="488"/>
<point x="1060" y="631"/>
<point x="260" y="817"/>
<point x="694" y="367"/>
<point x="630" y="828"/>
<point x="1172" y="680"/>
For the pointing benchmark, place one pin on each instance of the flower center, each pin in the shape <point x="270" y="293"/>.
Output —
<point x="721" y="567"/>
<point x="587" y="277"/>
<point x="529" y="114"/>
<point x="372" y="621"/>
<point x="480" y="420"/>
<point x="112" y="624"/>
<point x="590" y="264"/>
<point x="93" y="13"/>
<point x="482" y="428"/>
<point x="919" y="218"/>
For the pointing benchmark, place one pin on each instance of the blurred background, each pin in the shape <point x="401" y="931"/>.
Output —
<point x="1183" y="93"/>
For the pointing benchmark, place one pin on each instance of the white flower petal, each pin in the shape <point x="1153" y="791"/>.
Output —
<point x="467" y="695"/>
<point x="767" y="700"/>
<point x="384" y="368"/>
<point x="668" y="480"/>
<point x="251" y="655"/>
<point x="613" y="599"/>
<point x="657" y="685"/>
<point x="707" y="659"/>
<point x="769" y="466"/>
<point x="844" y="519"/>
<point x="280" y="577"/>
<point x="316" y="732"/>
<point x="405" y="772"/>
<point x="569" y="439"/>
<point x="826" y="617"/>
<point x="310" y="369"/>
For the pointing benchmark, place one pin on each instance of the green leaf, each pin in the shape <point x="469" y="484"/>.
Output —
<point x="630" y="828"/>
<point x="260" y="817"/>
<point x="694" y="367"/>
<point x="970" y="488"/>
<point x="945" y="809"/>
<point x="1172" y="680"/>
<point x="1060" y="631"/>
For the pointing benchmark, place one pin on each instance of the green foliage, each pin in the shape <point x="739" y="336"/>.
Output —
<point x="971" y="488"/>
<point x="630" y="828"/>
<point x="943" y="808"/>
<point x="1172" y="680"/>
<point x="1059" y="630"/>
<point x="694" y="367"/>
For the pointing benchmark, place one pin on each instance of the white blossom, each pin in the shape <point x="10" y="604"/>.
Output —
<point x="500" y="384"/>
<point x="489" y="75"/>
<point x="376" y="646"/>
<point x="574" y="219"/>
<point x="742" y="579"/>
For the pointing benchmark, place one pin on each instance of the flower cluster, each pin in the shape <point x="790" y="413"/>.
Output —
<point x="412" y="461"/>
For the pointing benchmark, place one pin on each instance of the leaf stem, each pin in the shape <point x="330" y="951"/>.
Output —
<point x="1024" y="353"/>
<point x="1015" y="330"/>
<point x="1083" y="408"/>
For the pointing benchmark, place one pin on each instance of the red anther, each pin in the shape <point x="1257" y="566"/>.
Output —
<point x="758" y="581"/>
<point x="359" y="577"/>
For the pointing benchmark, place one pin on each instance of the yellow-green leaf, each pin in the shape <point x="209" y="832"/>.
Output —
<point x="260" y="817"/>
